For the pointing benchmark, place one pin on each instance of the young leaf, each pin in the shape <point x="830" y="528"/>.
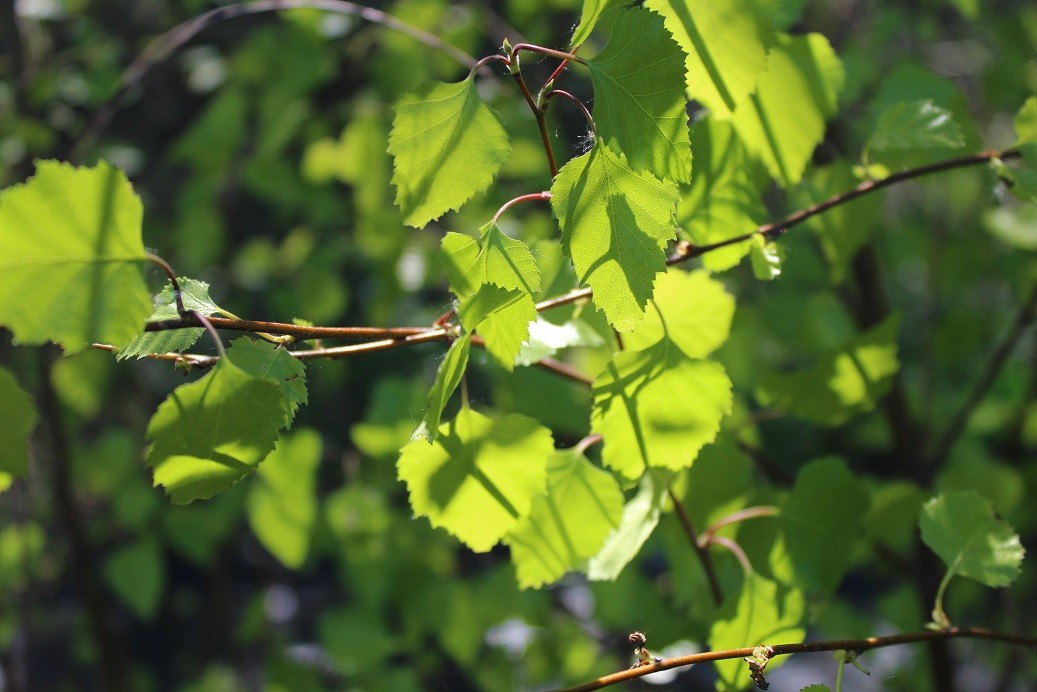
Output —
<point x="765" y="612"/>
<point x="282" y="505"/>
<point x="615" y="225"/>
<point x="785" y="119"/>
<point x="821" y="522"/>
<point x="195" y="296"/>
<point x="841" y="384"/>
<point x="1026" y="122"/>
<point x="656" y="408"/>
<point x="962" y="528"/>
<point x="698" y="314"/>
<point x="640" y="517"/>
<point x="448" y="376"/>
<point x="644" y="118"/>
<point x="270" y="362"/>
<point x="211" y="433"/>
<point x="916" y="125"/>
<point x="19" y="418"/>
<point x="726" y="42"/>
<point x="70" y="255"/>
<point x="765" y="257"/>
<point x="725" y="198"/>
<point x="480" y="475"/>
<point x="502" y="318"/>
<point x="446" y="145"/>
<point x="569" y="524"/>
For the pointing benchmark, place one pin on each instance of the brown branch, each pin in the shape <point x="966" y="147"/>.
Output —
<point x="856" y="645"/>
<point x="299" y="331"/>
<point x="701" y="551"/>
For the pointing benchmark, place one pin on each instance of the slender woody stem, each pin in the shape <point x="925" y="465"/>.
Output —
<point x="172" y="279"/>
<point x="541" y="121"/>
<point x="701" y="552"/>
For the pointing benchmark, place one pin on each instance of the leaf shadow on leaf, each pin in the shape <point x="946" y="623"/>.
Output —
<point x="97" y="270"/>
<point x="682" y="12"/>
<point x="616" y="390"/>
<point x="450" y="477"/>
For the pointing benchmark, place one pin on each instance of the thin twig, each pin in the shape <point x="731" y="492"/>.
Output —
<point x="701" y="552"/>
<point x="159" y="50"/>
<point x="299" y="331"/>
<point x="177" y="295"/>
<point x="857" y="645"/>
<point x="212" y="332"/>
<point x="541" y="120"/>
<point x="1025" y="317"/>
<point x="736" y="517"/>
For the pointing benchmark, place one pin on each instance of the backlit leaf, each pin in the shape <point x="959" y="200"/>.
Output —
<point x="448" y="376"/>
<point x="271" y="362"/>
<point x="480" y="475"/>
<point x="784" y="120"/>
<point x="726" y="42"/>
<point x="282" y="505"/>
<point x="569" y="524"/>
<point x="962" y="528"/>
<point x="19" y="418"/>
<point x="209" y="434"/>
<point x="765" y="257"/>
<point x="656" y="408"/>
<point x="446" y="145"/>
<point x="697" y="309"/>
<point x="195" y="296"/>
<point x="589" y="16"/>
<point x="1026" y="122"/>
<point x="916" y="125"/>
<point x="841" y="384"/>
<point x="70" y="256"/>
<point x="640" y="517"/>
<point x="640" y="105"/>
<point x="546" y="339"/>
<point x="615" y="226"/>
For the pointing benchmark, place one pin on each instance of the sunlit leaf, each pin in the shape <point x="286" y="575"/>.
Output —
<point x="640" y="517"/>
<point x="726" y="42"/>
<point x="765" y="612"/>
<point x="643" y="117"/>
<point x="546" y="339"/>
<point x="446" y="145"/>
<point x="270" y="362"/>
<point x="480" y="475"/>
<point x="70" y="257"/>
<point x="195" y="296"/>
<point x="569" y="524"/>
<point x="209" y="434"/>
<point x="589" y="16"/>
<point x="448" y="376"/>
<point x="19" y="418"/>
<point x="615" y="226"/>
<point x="962" y="528"/>
<point x="841" y="384"/>
<point x="916" y="125"/>
<point x="697" y="309"/>
<point x="765" y="257"/>
<point x="784" y="120"/>
<point x="282" y="504"/>
<point x="1026" y="122"/>
<point x="656" y="408"/>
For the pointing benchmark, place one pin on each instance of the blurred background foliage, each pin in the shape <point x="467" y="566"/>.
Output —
<point x="259" y="152"/>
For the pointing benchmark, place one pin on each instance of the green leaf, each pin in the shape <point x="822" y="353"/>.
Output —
<point x="962" y="528"/>
<point x="271" y="362"/>
<point x="502" y="318"/>
<point x="725" y="199"/>
<point x="70" y="238"/>
<point x="822" y="523"/>
<point x="841" y="384"/>
<point x="195" y="296"/>
<point x="1026" y="122"/>
<point x="656" y="408"/>
<point x="726" y="42"/>
<point x="916" y="125"/>
<point x="282" y="502"/>
<point x="448" y="376"/>
<point x="764" y="612"/>
<point x="1015" y="225"/>
<point x="784" y="120"/>
<point x="640" y="116"/>
<point x="211" y="433"/>
<point x="765" y="257"/>
<point x="615" y="226"/>
<point x="446" y="145"/>
<point x="137" y="574"/>
<point x="1021" y="181"/>
<point x="569" y="524"/>
<point x="480" y="475"/>
<point x="589" y="16"/>
<point x="640" y="517"/>
<point x="698" y="314"/>
<point x="19" y="419"/>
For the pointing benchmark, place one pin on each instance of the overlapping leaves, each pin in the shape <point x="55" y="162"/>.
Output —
<point x="70" y="238"/>
<point x="195" y="297"/>
<point x="19" y="418"/>
<point x="446" y="145"/>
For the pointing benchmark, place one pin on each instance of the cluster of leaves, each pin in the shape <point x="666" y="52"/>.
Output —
<point x="674" y="391"/>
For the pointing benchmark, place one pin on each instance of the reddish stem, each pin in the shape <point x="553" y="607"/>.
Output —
<point x="518" y="200"/>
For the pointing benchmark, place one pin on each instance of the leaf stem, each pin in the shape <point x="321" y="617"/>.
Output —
<point x="212" y="331"/>
<point x="518" y="200"/>
<point x="701" y="551"/>
<point x="580" y="104"/>
<point x="734" y="518"/>
<point x="735" y="550"/>
<point x="533" y="48"/>
<point x="858" y="645"/>
<point x="168" y="269"/>
<point x="587" y="442"/>
<point x="538" y="113"/>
